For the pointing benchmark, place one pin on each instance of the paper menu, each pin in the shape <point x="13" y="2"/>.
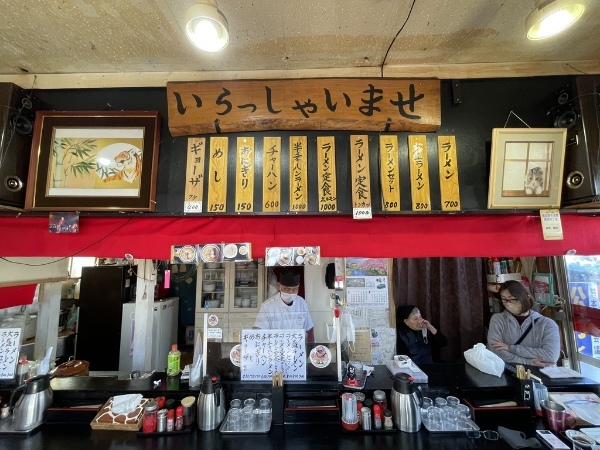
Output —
<point x="584" y="406"/>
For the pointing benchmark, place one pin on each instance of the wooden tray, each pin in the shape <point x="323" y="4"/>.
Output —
<point x="106" y="420"/>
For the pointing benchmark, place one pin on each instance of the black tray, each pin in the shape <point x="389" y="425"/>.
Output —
<point x="185" y="430"/>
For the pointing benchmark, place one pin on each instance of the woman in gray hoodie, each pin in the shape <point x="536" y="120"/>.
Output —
<point x="520" y="335"/>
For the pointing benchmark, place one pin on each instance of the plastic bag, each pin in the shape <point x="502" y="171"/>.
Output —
<point x="483" y="359"/>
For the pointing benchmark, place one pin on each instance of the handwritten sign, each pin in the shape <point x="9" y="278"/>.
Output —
<point x="265" y="352"/>
<point x="326" y="174"/>
<point x="244" y="179"/>
<point x="271" y="174"/>
<point x="365" y="104"/>
<point x="217" y="170"/>
<point x="298" y="174"/>
<point x="10" y="342"/>
<point x="419" y="173"/>
<point x="389" y="172"/>
<point x="194" y="175"/>
<point x="361" y="177"/>
<point x="448" y="173"/>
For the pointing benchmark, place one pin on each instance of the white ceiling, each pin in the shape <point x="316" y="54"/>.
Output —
<point x="81" y="43"/>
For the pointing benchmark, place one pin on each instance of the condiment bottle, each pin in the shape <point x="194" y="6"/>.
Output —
<point x="377" y="417"/>
<point x="379" y="399"/>
<point x="22" y="369"/>
<point x="170" y="420"/>
<point x="149" y="420"/>
<point x="161" y="421"/>
<point x="179" y="418"/>
<point x="366" y="418"/>
<point x="388" y="423"/>
<point x="496" y="266"/>
<point x="173" y="361"/>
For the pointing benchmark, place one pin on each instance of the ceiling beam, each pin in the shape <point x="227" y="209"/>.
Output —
<point x="441" y="71"/>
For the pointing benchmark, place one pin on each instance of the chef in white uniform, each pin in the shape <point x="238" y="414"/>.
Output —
<point x="286" y="310"/>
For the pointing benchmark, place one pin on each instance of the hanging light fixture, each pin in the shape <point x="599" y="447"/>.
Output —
<point x="552" y="16"/>
<point x="206" y="27"/>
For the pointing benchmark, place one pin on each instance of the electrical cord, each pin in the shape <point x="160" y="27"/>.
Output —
<point x="399" y="31"/>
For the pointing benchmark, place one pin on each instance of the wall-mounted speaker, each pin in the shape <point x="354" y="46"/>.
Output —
<point x="17" y="112"/>
<point x="576" y="108"/>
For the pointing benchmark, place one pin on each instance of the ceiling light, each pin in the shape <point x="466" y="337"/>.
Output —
<point x="552" y="16"/>
<point x="206" y="27"/>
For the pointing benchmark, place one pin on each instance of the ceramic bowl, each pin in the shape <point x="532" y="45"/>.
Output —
<point x="245" y="303"/>
<point x="213" y="265"/>
<point x="209" y="287"/>
<point x="237" y="302"/>
<point x="213" y="303"/>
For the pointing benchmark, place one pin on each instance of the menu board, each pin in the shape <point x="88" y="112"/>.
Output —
<point x="265" y="352"/>
<point x="208" y="253"/>
<point x="10" y="342"/>
<point x="293" y="256"/>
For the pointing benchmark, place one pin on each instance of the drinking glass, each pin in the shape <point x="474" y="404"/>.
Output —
<point x="247" y="420"/>
<point x="427" y="402"/>
<point x="236" y="403"/>
<point x="264" y="414"/>
<point x="440" y="402"/>
<point x="463" y="411"/>
<point x="249" y="402"/>
<point x="450" y="418"/>
<point x="234" y="419"/>
<point x="452" y="401"/>
<point x="434" y="418"/>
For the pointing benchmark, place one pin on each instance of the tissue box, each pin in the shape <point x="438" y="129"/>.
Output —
<point x="107" y="420"/>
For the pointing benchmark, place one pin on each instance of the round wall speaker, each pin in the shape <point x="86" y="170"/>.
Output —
<point x="13" y="183"/>
<point x="566" y="119"/>
<point x="575" y="179"/>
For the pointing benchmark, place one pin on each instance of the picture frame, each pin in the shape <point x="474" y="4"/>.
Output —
<point x="93" y="161"/>
<point x="526" y="168"/>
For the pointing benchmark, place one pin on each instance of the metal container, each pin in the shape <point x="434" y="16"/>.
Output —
<point x="406" y="403"/>
<point x="30" y="410"/>
<point x="211" y="403"/>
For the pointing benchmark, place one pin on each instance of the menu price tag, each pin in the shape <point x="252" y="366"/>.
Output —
<point x="192" y="207"/>
<point x="551" y="224"/>
<point x="362" y="213"/>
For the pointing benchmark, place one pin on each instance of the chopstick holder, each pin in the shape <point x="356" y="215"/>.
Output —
<point x="277" y="399"/>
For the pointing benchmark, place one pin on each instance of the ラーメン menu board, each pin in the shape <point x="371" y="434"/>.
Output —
<point x="10" y="342"/>
<point x="265" y="352"/>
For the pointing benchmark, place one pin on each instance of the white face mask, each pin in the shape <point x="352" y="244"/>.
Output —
<point x="513" y="308"/>
<point x="287" y="298"/>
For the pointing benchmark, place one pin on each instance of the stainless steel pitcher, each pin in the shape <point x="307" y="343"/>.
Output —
<point x="211" y="403"/>
<point x="30" y="410"/>
<point x="406" y="404"/>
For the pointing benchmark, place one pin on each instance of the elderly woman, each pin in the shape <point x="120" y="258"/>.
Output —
<point x="520" y="335"/>
<point x="416" y="337"/>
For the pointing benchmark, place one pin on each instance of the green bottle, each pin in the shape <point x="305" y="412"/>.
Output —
<point x="173" y="361"/>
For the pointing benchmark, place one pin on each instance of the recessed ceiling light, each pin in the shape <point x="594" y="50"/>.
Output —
<point x="552" y="16"/>
<point x="206" y="27"/>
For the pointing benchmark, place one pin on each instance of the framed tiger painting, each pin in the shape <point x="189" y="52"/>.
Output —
<point x="526" y="168"/>
<point x="93" y="161"/>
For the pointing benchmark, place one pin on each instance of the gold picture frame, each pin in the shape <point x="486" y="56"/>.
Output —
<point x="526" y="168"/>
<point x="93" y="161"/>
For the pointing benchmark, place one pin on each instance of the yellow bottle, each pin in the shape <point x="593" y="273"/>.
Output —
<point x="173" y="361"/>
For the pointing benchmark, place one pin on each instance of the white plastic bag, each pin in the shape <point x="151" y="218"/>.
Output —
<point x="483" y="359"/>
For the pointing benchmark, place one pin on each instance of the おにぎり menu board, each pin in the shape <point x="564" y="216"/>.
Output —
<point x="10" y="342"/>
<point x="265" y="352"/>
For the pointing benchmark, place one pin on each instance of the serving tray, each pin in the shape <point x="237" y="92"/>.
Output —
<point x="258" y="429"/>
<point x="471" y="426"/>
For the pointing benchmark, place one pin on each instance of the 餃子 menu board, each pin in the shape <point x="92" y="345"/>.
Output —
<point x="265" y="352"/>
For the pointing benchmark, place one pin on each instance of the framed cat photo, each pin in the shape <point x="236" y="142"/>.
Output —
<point x="93" y="161"/>
<point x="526" y="168"/>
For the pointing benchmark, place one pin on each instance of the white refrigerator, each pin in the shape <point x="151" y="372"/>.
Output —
<point x="164" y="333"/>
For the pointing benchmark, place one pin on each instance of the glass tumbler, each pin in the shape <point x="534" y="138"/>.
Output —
<point x="234" y="419"/>
<point x="249" y="402"/>
<point x="450" y="418"/>
<point x="434" y="418"/>
<point x="427" y="402"/>
<point x="440" y="402"/>
<point x="236" y="403"/>
<point x="464" y="413"/>
<point x="247" y="419"/>
<point x="452" y="401"/>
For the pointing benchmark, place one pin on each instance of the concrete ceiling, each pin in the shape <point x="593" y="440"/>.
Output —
<point x="88" y="43"/>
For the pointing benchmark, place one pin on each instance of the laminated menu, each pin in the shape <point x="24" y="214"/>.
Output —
<point x="106" y="419"/>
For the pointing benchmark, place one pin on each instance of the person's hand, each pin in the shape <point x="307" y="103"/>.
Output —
<point x="425" y="324"/>
<point x="499" y="345"/>
<point x="539" y="362"/>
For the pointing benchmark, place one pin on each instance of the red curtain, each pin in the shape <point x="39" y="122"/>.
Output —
<point x="151" y="237"/>
<point x="17" y="295"/>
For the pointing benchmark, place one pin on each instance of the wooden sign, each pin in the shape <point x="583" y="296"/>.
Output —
<point x="367" y="104"/>
<point x="194" y="175"/>
<point x="298" y="174"/>
<point x="326" y="173"/>
<point x="217" y="172"/>
<point x="271" y="201"/>
<point x="389" y="172"/>
<point x="419" y="173"/>
<point x="449" y="190"/>
<point x="361" y="178"/>
<point x="244" y="178"/>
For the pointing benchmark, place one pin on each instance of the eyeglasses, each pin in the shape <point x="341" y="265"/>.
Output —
<point x="509" y="300"/>
<point x="487" y="434"/>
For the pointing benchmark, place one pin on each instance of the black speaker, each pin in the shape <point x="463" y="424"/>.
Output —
<point x="16" y="128"/>
<point x="576" y="108"/>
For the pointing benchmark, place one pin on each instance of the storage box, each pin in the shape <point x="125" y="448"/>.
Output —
<point x="519" y="417"/>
